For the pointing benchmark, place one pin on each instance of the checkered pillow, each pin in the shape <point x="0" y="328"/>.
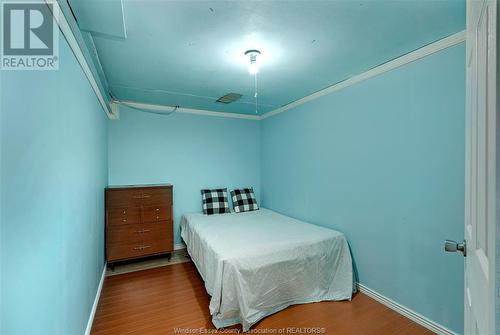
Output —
<point x="244" y="200"/>
<point x="215" y="201"/>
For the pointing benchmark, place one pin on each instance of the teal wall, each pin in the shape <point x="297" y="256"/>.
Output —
<point x="53" y="172"/>
<point x="189" y="151"/>
<point x="383" y="162"/>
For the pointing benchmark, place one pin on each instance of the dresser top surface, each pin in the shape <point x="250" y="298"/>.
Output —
<point x="119" y="187"/>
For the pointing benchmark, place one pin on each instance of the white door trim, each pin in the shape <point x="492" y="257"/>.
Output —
<point x="481" y="131"/>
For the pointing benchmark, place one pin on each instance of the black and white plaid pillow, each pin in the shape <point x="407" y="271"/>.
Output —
<point x="215" y="201"/>
<point x="244" y="200"/>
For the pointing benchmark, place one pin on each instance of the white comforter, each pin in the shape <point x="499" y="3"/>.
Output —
<point x="257" y="263"/>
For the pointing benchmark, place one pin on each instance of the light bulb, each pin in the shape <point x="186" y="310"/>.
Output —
<point x="252" y="55"/>
<point x="253" y="68"/>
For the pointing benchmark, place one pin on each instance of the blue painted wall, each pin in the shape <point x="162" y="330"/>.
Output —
<point x="191" y="152"/>
<point x="53" y="171"/>
<point x="383" y="162"/>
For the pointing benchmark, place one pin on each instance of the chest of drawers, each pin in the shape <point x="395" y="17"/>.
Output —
<point x="139" y="221"/>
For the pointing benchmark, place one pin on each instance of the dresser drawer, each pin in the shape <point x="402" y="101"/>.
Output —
<point x="131" y="233"/>
<point x="132" y="250"/>
<point x="123" y="215"/>
<point x="156" y="197"/>
<point x="159" y="231"/>
<point x="156" y="213"/>
<point x="142" y="232"/>
<point x="124" y="198"/>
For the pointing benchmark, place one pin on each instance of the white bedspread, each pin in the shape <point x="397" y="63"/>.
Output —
<point x="257" y="263"/>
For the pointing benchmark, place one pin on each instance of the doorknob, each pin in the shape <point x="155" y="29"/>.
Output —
<point x="452" y="246"/>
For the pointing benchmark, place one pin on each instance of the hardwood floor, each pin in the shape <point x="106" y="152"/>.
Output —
<point x="157" y="301"/>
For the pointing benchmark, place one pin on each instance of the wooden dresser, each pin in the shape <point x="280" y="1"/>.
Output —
<point x="138" y="221"/>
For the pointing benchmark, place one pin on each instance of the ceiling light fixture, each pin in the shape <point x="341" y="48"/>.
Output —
<point x="253" y="69"/>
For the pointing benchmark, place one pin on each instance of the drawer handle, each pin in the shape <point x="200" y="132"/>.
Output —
<point x="142" y="247"/>
<point x="124" y="212"/>
<point x="157" y="209"/>
<point x="157" y="217"/>
<point x="124" y="220"/>
<point x="143" y="196"/>
<point x="143" y="231"/>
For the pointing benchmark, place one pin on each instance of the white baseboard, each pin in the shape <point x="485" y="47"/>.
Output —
<point x="179" y="246"/>
<point x="96" y="301"/>
<point x="405" y="311"/>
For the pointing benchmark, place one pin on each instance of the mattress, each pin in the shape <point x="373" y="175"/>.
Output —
<point x="257" y="263"/>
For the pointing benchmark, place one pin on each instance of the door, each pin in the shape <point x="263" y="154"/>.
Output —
<point x="480" y="179"/>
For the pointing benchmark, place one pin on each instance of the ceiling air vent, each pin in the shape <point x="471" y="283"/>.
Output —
<point x="228" y="98"/>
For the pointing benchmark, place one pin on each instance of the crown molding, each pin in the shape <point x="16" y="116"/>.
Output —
<point x="113" y="111"/>
<point x="385" y="67"/>
<point x="68" y="34"/>
<point x="410" y="57"/>
<point x="165" y="109"/>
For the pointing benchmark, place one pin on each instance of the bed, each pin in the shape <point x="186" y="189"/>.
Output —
<point x="257" y="263"/>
